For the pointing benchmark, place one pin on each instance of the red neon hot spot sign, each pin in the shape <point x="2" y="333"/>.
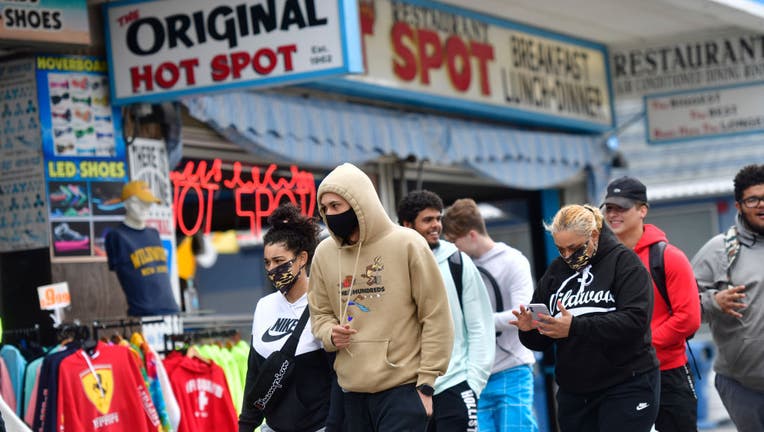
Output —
<point x="256" y="194"/>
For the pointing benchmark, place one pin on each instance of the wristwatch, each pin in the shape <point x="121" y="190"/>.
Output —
<point x="426" y="389"/>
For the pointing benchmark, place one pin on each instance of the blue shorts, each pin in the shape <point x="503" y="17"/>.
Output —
<point x="506" y="403"/>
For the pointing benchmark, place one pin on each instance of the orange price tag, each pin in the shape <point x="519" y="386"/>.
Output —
<point x="54" y="296"/>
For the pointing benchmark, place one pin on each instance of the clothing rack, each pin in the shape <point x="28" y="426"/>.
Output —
<point x="193" y="322"/>
<point x="123" y="324"/>
<point x="73" y="330"/>
<point x="21" y="333"/>
<point x="188" y="337"/>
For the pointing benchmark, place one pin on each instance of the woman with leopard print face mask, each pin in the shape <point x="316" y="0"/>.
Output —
<point x="304" y="403"/>
<point x="600" y="296"/>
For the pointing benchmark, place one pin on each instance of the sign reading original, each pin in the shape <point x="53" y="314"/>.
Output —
<point x="450" y="58"/>
<point x="163" y="49"/>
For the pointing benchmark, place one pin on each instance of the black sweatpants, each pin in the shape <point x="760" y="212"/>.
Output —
<point x="335" y="420"/>
<point x="630" y="406"/>
<point x="678" y="410"/>
<point x="396" y="409"/>
<point x="454" y="410"/>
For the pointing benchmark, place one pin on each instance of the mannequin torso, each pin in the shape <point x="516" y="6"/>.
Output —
<point x="135" y="252"/>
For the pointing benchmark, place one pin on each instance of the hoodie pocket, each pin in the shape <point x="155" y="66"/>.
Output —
<point x="373" y="353"/>
<point x="745" y="362"/>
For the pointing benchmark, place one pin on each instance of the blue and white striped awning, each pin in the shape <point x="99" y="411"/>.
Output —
<point x="530" y="160"/>
<point x="326" y="133"/>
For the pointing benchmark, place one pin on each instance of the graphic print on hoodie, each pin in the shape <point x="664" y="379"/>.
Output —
<point x="581" y="296"/>
<point x="275" y="320"/>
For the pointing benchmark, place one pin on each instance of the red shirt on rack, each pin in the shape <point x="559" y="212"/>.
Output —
<point x="172" y="360"/>
<point x="202" y="393"/>
<point x="104" y="392"/>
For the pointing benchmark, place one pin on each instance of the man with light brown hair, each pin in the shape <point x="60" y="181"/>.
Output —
<point x="506" y="403"/>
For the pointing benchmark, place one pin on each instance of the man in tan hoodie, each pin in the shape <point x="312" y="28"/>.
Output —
<point x="377" y="297"/>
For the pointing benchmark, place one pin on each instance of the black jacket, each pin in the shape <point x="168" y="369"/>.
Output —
<point x="305" y="404"/>
<point x="612" y="303"/>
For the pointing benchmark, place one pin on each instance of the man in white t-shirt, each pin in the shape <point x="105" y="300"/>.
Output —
<point x="506" y="403"/>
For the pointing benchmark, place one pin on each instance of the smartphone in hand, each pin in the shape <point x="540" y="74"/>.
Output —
<point x="538" y="308"/>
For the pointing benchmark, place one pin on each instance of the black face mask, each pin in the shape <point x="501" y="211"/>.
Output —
<point x="343" y="224"/>
<point x="579" y="259"/>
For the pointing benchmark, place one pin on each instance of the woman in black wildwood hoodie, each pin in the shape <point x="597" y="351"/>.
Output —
<point x="289" y="246"/>
<point x="601" y="298"/>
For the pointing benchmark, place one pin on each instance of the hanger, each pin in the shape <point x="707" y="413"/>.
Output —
<point x="90" y="346"/>
<point x="192" y="352"/>
<point x="236" y="337"/>
<point x="116" y="339"/>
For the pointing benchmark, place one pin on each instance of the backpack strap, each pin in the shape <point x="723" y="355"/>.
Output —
<point x="495" y="286"/>
<point x="731" y="249"/>
<point x="290" y="346"/>
<point x="487" y="276"/>
<point x="658" y="271"/>
<point x="457" y="269"/>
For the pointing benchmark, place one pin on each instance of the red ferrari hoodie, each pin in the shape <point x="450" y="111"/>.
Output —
<point x="104" y="392"/>
<point x="671" y="331"/>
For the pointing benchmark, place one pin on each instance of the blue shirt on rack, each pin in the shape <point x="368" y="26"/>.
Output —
<point x="16" y="364"/>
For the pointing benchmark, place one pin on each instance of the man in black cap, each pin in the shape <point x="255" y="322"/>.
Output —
<point x="676" y="316"/>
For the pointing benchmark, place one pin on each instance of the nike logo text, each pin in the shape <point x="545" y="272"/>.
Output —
<point x="642" y="406"/>
<point x="281" y="328"/>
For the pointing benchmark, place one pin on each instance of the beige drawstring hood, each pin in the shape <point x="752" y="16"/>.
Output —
<point x="387" y="286"/>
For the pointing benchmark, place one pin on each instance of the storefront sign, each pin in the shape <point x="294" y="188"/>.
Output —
<point x="422" y="52"/>
<point x="705" y="113"/>
<point x="23" y="214"/>
<point x="160" y="50"/>
<point x="59" y="21"/>
<point x="698" y="62"/>
<point x="54" y="296"/>
<point x="84" y="153"/>
<point x="256" y="194"/>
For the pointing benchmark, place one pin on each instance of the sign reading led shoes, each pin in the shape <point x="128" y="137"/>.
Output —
<point x="162" y="49"/>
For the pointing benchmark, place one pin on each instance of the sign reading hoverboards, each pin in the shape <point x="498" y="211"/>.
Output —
<point x="159" y="50"/>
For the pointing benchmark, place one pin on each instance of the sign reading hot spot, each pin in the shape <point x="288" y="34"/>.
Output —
<point x="159" y="50"/>
<point x="257" y="193"/>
